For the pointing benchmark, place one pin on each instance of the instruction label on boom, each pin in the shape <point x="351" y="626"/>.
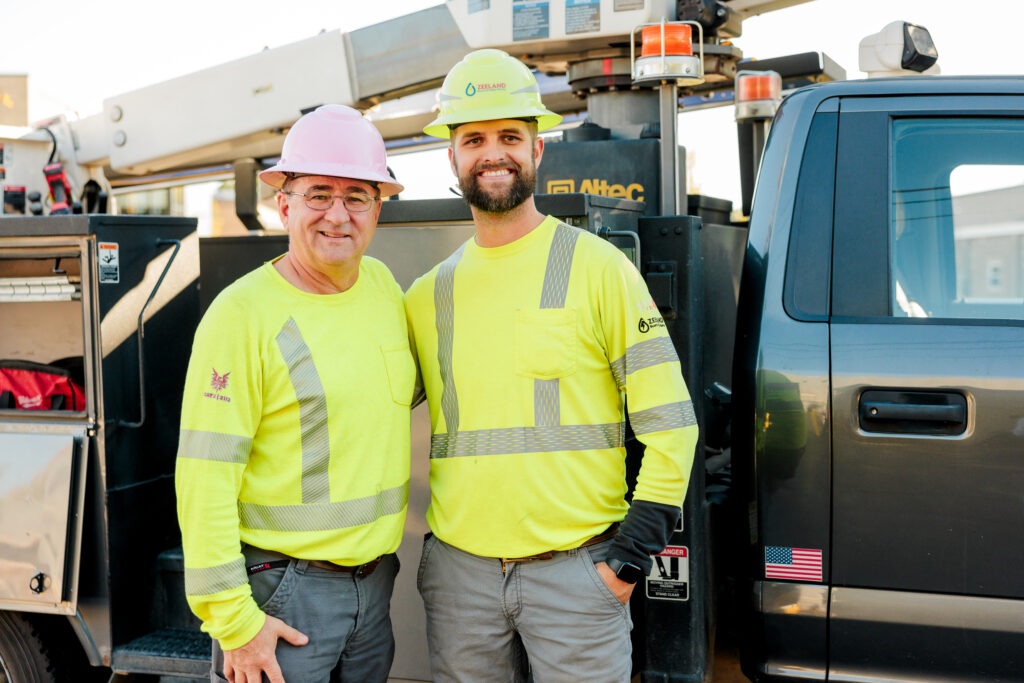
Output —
<point x="109" y="260"/>
<point x="531" y="19"/>
<point x="669" y="578"/>
<point x="582" y="16"/>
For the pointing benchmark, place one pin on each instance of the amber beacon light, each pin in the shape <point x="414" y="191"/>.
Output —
<point x="676" y="40"/>
<point x="666" y="53"/>
<point x="758" y="94"/>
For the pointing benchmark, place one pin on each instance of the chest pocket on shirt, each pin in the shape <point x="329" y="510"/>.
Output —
<point x="401" y="372"/>
<point x="545" y="342"/>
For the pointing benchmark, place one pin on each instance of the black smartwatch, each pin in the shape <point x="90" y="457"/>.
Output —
<point x="626" y="571"/>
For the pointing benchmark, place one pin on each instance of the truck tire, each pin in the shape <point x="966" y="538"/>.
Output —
<point x="23" y="656"/>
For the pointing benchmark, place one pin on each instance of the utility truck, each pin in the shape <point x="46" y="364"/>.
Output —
<point x="856" y="341"/>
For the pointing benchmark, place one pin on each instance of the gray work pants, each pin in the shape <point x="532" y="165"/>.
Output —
<point x="555" y="619"/>
<point x="346" y="617"/>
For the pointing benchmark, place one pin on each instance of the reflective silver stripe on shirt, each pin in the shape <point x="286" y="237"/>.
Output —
<point x="546" y="407"/>
<point x="643" y="355"/>
<point x="324" y="516"/>
<point x="662" y="418"/>
<point x="309" y="392"/>
<point x="209" y="580"/>
<point x="527" y="440"/>
<point x="618" y="368"/>
<point x="556" y="274"/>
<point x="444" y="321"/>
<point x="199" y="445"/>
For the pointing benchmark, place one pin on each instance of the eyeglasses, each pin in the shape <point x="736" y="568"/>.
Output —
<point x="321" y="200"/>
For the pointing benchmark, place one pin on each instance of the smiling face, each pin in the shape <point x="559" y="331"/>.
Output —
<point x="496" y="163"/>
<point x="330" y="242"/>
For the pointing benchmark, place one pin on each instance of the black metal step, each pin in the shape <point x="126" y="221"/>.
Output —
<point x="170" y="652"/>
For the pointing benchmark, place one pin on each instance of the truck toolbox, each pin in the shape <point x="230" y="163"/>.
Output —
<point x="107" y="454"/>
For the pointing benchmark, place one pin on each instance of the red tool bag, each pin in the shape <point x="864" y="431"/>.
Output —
<point x="33" y="386"/>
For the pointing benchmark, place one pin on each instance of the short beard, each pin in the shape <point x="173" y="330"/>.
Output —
<point x="523" y="184"/>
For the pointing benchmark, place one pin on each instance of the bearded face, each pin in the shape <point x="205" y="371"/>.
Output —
<point x="499" y="199"/>
<point x="496" y="163"/>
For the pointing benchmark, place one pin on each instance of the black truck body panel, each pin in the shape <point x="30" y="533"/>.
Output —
<point x="877" y="396"/>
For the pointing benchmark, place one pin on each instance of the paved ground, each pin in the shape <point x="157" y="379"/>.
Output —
<point x="727" y="666"/>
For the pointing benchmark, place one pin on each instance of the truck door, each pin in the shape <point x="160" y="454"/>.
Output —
<point x="927" y="353"/>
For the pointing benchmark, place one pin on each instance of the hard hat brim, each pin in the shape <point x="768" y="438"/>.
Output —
<point x="439" y="127"/>
<point x="276" y="175"/>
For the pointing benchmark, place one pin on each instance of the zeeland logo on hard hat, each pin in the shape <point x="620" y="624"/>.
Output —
<point x="471" y="89"/>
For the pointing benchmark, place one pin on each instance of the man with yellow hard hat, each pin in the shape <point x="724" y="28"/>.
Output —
<point x="529" y="338"/>
<point x="293" y="462"/>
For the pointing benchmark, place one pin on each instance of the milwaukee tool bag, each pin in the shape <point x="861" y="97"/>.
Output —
<point x="25" y="385"/>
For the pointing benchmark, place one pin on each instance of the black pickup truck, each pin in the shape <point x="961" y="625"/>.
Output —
<point x="878" y="424"/>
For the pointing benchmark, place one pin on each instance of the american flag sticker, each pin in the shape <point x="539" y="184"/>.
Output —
<point x="798" y="564"/>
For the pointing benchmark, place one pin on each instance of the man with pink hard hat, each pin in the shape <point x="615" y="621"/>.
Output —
<point x="293" y="461"/>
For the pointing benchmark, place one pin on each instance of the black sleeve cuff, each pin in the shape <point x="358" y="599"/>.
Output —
<point x="645" y="532"/>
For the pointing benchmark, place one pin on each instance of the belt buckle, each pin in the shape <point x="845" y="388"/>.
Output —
<point x="367" y="568"/>
<point x="529" y="558"/>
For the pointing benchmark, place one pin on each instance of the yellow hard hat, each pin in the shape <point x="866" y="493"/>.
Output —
<point x="488" y="85"/>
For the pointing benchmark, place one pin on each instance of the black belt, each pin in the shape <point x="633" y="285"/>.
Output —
<point x="359" y="570"/>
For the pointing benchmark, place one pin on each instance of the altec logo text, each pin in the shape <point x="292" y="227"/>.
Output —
<point x="597" y="186"/>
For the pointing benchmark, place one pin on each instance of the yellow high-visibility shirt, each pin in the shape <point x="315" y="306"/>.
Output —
<point x="527" y="351"/>
<point x="294" y="435"/>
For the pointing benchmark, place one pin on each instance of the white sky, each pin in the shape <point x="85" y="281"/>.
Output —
<point x="79" y="53"/>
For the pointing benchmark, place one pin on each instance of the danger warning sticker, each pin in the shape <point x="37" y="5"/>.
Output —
<point x="669" y="578"/>
<point x="109" y="262"/>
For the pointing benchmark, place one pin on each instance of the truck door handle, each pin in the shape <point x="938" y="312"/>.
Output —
<point x="913" y="412"/>
<point x="880" y="410"/>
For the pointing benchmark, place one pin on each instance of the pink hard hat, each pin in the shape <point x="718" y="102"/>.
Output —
<point x="334" y="140"/>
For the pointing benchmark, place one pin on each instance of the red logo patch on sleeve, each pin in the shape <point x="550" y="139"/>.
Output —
<point x="218" y="383"/>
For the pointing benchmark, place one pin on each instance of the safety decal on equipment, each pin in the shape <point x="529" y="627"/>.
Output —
<point x="531" y="19"/>
<point x="582" y="16"/>
<point x="669" y="578"/>
<point x="109" y="261"/>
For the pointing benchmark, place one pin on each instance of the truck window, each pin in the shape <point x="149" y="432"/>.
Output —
<point x="807" y="291"/>
<point x="957" y="222"/>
